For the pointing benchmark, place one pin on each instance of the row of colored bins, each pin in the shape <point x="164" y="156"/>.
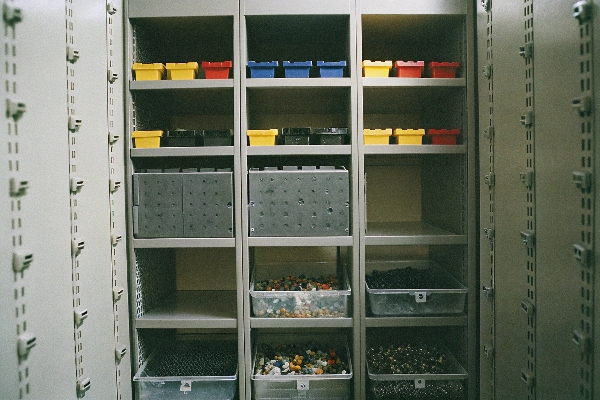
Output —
<point x="411" y="136"/>
<point x="300" y="69"/>
<point x="182" y="138"/>
<point x="181" y="71"/>
<point x="409" y="69"/>
<point x="298" y="136"/>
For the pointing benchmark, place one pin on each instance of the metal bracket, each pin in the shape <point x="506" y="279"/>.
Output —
<point x="113" y="137"/>
<point x="582" y="340"/>
<point x="582" y="255"/>
<point x="14" y="109"/>
<point x="486" y="4"/>
<point x="582" y="10"/>
<point x="488" y="132"/>
<point x="583" y="180"/>
<point x="527" y="119"/>
<point x="80" y="315"/>
<point x="72" y="54"/>
<point x="487" y="71"/>
<point x="113" y="185"/>
<point x="528" y="308"/>
<point x="527" y="378"/>
<point x="488" y="292"/>
<point x="112" y="76"/>
<point x="74" y="124"/>
<point x="490" y="180"/>
<point x="25" y="343"/>
<point x="528" y="238"/>
<point x="11" y="15"/>
<point x="117" y="293"/>
<point x="582" y="104"/>
<point x="115" y="239"/>
<point x="489" y="233"/>
<point x="120" y="351"/>
<point x="527" y="178"/>
<point x="76" y="246"/>
<point x="110" y="8"/>
<point x="488" y="350"/>
<point x="83" y="385"/>
<point x="526" y="51"/>
<point x="17" y="188"/>
<point x="76" y="185"/>
<point x="21" y="259"/>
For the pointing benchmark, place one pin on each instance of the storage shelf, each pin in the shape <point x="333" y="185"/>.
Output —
<point x="289" y="7"/>
<point x="276" y="323"/>
<point x="410" y="233"/>
<point x="414" y="82"/>
<point x="290" y="150"/>
<point x="192" y="84"/>
<point x="300" y="241"/>
<point x="414" y="149"/>
<point x="181" y="8"/>
<point x="413" y="7"/>
<point x="193" y="309"/>
<point x="384" y="322"/>
<point x="184" y="151"/>
<point x="297" y="82"/>
<point x="182" y="242"/>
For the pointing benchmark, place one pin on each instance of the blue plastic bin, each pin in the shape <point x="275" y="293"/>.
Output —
<point x="334" y="69"/>
<point x="300" y="69"/>
<point x="264" y="69"/>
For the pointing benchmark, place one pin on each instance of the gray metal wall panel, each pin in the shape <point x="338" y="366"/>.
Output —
<point x="557" y="155"/>
<point x="510" y="199"/>
<point x="44" y="289"/>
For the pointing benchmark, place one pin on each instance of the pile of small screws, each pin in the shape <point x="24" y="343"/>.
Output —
<point x="417" y="357"/>
<point x="433" y="390"/>
<point x="405" y="278"/>
<point x="298" y="283"/>
<point x="192" y="358"/>
<point x="307" y="358"/>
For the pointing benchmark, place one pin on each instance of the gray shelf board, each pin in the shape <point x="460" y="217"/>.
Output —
<point x="194" y="309"/>
<point x="182" y="242"/>
<point x="291" y="7"/>
<point x="410" y="233"/>
<point x="414" y="82"/>
<point x="181" y="8"/>
<point x="413" y="7"/>
<point x="414" y="149"/>
<point x="291" y="150"/>
<point x="192" y="84"/>
<point x="300" y="241"/>
<point x="300" y="323"/>
<point x="273" y="83"/>
<point x="383" y="322"/>
<point x="184" y="151"/>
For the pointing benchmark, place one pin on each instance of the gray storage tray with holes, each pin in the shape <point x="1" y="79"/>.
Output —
<point x="299" y="202"/>
<point x="175" y="205"/>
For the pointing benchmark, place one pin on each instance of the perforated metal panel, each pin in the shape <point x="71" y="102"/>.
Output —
<point x="157" y="205"/>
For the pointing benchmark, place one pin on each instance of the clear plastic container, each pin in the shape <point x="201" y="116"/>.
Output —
<point x="316" y="387"/>
<point x="178" y="370"/>
<point x="299" y="304"/>
<point x="416" y="301"/>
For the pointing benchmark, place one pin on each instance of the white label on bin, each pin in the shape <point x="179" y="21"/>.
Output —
<point x="186" y="386"/>
<point x="419" y="383"/>
<point x="420" y="297"/>
<point x="302" y="385"/>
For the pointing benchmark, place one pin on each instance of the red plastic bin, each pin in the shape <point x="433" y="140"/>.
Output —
<point x="443" y="69"/>
<point x="409" y="69"/>
<point x="444" y="136"/>
<point x="216" y="70"/>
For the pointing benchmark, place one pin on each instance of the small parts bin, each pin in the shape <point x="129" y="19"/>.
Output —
<point x="262" y="137"/>
<point x="412" y="288"/>
<point x="262" y="69"/>
<point x="216" y="70"/>
<point x="300" y="136"/>
<point x="443" y="69"/>
<point x="146" y="139"/>
<point x="180" y="138"/>
<point x="333" y="69"/>
<point x="376" y="69"/>
<point x="148" y="72"/>
<point x="444" y="136"/>
<point x="409" y="136"/>
<point x="329" y="136"/>
<point x="190" y="369"/>
<point x="409" y="69"/>
<point x="377" y="136"/>
<point x="299" y="290"/>
<point x="182" y="71"/>
<point x="300" y="69"/>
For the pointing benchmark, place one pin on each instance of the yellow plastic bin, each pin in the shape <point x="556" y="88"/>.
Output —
<point x="182" y="71"/>
<point x="262" y="137"/>
<point x="148" y="72"/>
<point x="409" y="136"/>
<point x="376" y="69"/>
<point x="377" y="136"/>
<point x="146" y="139"/>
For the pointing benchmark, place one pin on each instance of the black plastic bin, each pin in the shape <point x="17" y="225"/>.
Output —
<point x="179" y="138"/>
<point x="298" y="136"/>
<point x="329" y="136"/>
<point x="214" y="137"/>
